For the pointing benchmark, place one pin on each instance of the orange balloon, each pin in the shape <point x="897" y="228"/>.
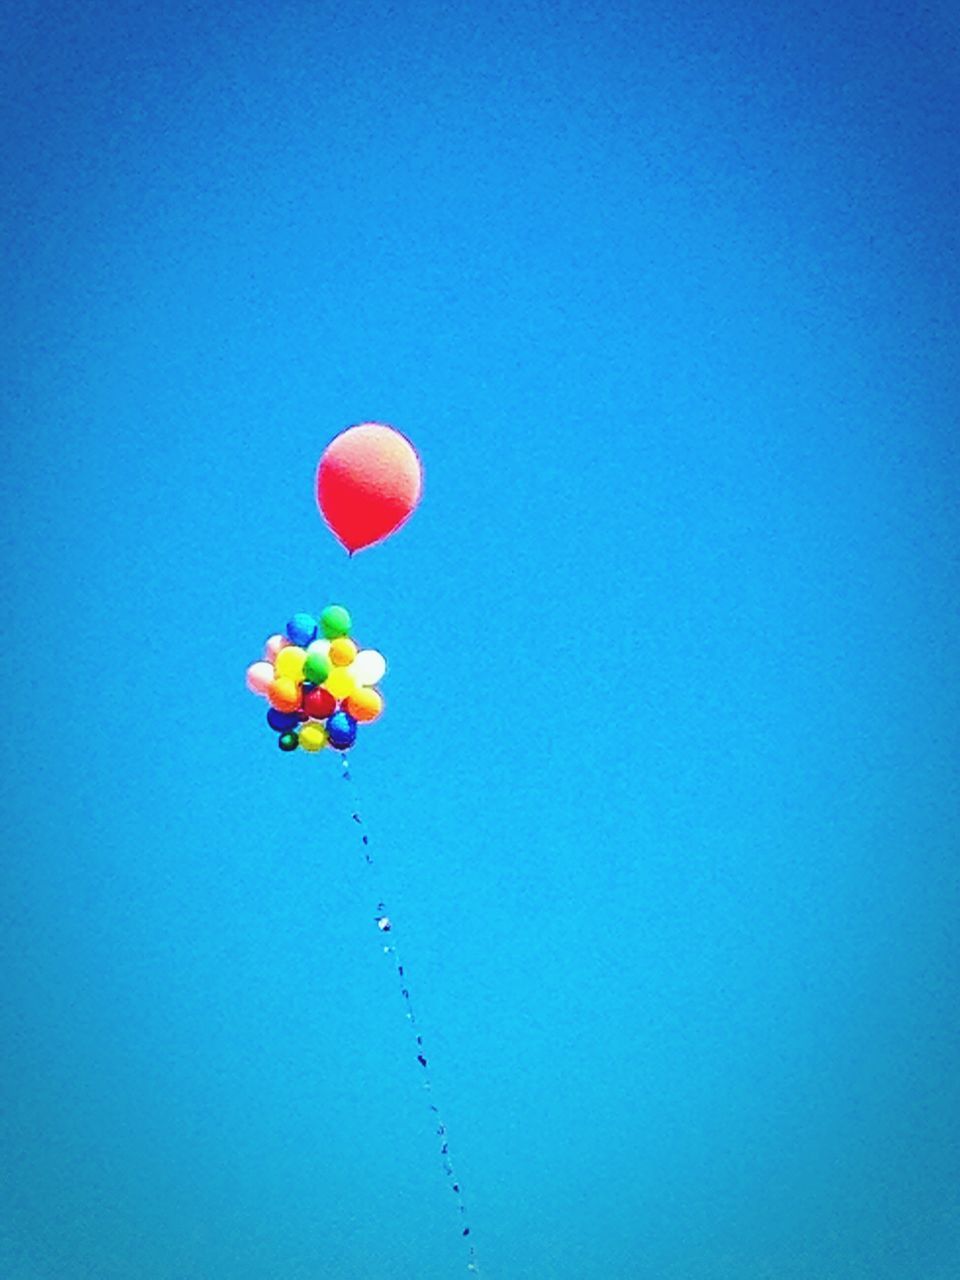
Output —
<point x="364" y="705"/>
<point x="342" y="651"/>
<point x="368" y="483"/>
<point x="284" y="694"/>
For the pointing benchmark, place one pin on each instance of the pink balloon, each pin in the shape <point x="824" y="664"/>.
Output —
<point x="273" y="647"/>
<point x="260" y="677"/>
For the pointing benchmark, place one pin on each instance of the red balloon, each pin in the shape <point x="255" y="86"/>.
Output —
<point x="319" y="703"/>
<point x="368" y="483"/>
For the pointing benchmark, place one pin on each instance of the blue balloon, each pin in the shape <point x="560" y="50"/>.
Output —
<point x="282" y="721"/>
<point x="341" y="730"/>
<point x="301" y="629"/>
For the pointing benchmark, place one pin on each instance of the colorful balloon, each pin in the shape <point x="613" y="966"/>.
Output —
<point x="317" y="666"/>
<point x="335" y="621"/>
<point x="301" y="629"/>
<point x="313" y="737"/>
<point x="341" y="730"/>
<point x="340" y="683"/>
<point x="368" y="483"/>
<point x="342" y="651"/>
<point x="319" y="703"/>
<point x="368" y="667"/>
<point x="284" y="694"/>
<point x="364" y="705"/>
<point x="288" y="741"/>
<point x="289" y="662"/>
<point x="273" y="647"/>
<point x="259" y="677"/>
<point x="281" y="721"/>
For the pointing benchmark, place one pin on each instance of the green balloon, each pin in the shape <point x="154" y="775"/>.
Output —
<point x="288" y="742"/>
<point x="335" y="621"/>
<point x="316" y="668"/>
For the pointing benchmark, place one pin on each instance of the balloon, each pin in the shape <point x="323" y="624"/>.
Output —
<point x="335" y="621"/>
<point x="319" y="703"/>
<point x="302" y="628"/>
<point x="273" y="647"/>
<point x="287" y="741"/>
<point x="281" y="721"/>
<point x="364" y="705"/>
<point x="313" y="737"/>
<point x="290" y="662"/>
<point x="368" y="667"/>
<point x="259" y="677"/>
<point x="317" y="666"/>
<point x="284" y="694"/>
<point x="368" y="483"/>
<point x="342" y="651"/>
<point x="341" y="730"/>
<point x="340" y="683"/>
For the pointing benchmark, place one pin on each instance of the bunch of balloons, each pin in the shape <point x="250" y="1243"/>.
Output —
<point x="319" y="683"/>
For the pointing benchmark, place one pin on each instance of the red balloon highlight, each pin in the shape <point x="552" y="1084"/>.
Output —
<point x="368" y="483"/>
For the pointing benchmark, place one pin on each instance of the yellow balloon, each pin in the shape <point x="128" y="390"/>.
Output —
<point x="313" y="737"/>
<point x="340" y="683"/>
<point x="342" y="651"/>
<point x="289" y="662"/>
<point x="364" y="705"/>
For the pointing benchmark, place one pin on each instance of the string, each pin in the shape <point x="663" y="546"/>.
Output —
<point x="386" y="926"/>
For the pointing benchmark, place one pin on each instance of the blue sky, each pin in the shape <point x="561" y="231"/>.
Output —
<point x="665" y="798"/>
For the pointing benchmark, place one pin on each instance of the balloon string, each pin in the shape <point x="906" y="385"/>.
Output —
<point x="386" y="926"/>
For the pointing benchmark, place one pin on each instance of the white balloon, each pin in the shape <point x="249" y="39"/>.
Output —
<point x="368" y="667"/>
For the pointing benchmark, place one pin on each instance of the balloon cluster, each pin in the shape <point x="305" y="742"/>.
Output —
<point x="319" y="684"/>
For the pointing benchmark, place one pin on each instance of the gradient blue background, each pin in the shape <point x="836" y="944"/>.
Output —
<point x="665" y="803"/>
